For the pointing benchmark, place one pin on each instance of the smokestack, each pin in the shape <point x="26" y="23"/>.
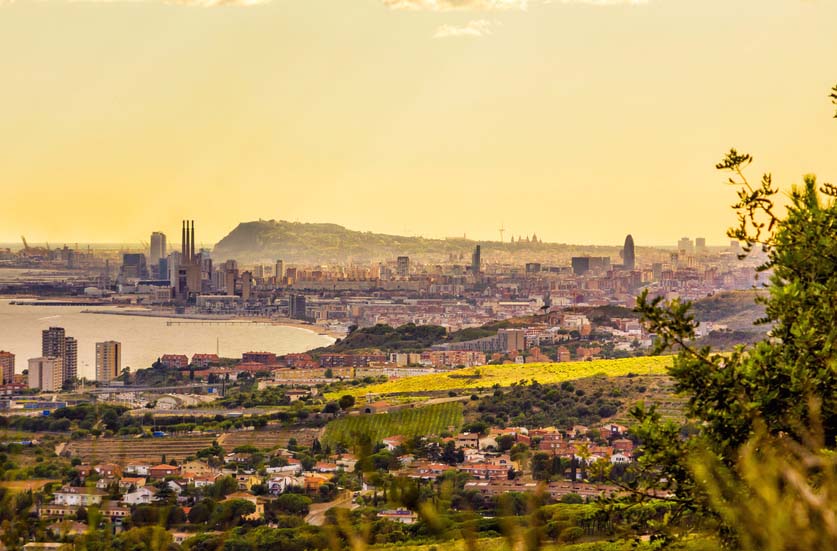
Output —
<point x="192" y="242"/>
<point x="183" y="240"/>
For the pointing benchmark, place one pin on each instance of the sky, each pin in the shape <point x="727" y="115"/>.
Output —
<point x="578" y="120"/>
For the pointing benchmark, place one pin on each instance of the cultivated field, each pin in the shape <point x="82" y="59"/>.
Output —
<point x="433" y="419"/>
<point x="267" y="439"/>
<point x="485" y="377"/>
<point x="120" y="450"/>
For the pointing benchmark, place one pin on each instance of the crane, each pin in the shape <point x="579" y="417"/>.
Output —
<point x="502" y="230"/>
<point x="25" y="244"/>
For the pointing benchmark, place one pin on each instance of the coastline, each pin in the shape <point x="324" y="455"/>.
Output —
<point x="324" y="331"/>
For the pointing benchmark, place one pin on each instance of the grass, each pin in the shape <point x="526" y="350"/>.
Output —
<point x="484" y="377"/>
<point x="25" y="485"/>
<point x="433" y="419"/>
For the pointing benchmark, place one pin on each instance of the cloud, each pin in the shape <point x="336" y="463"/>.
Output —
<point x="192" y="3"/>
<point x="476" y="28"/>
<point x="450" y="5"/>
<point x="495" y="5"/>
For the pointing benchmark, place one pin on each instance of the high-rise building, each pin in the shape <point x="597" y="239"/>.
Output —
<point x="476" y="261"/>
<point x="70" y="361"/>
<point x="403" y="266"/>
<point x="628" y="254"/>
<point x="159" y="250"/>
<point x="133" y="266"/>
<point x="108" y="361"/>
<point x="583" y="264"/>
<point x="56" y="344"/>
<point x="246" y="285"/>
<point x="685" y="246"/>
<point x="296" y="307"/>
<point x="7" y="365"/>
<point x="280" y="271"/>
<point x="700" y="245"/>
<point x="45" y="373"/>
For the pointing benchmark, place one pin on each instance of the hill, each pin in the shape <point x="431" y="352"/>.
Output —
<point x="295" y="242"/>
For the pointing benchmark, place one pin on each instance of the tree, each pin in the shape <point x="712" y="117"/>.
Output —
<point x="347" y="401"/>
<point x="293" y="504"/>
<point x="774" y="403"/>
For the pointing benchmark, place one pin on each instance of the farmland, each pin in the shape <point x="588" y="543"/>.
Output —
<point x="433" y="419"/>
<point x="484" y="377"/>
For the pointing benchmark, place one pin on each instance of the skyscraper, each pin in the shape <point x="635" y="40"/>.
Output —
<point x="7" y="365"/>
<point x="280" y="271"/>
<point x="297" y="307"/>
<point x="55" y="344"/>
<point x="159" y="250"/>
<point x="108" y="361"/>
<point x="476" y="261"/>
<point x="628" y="255"/>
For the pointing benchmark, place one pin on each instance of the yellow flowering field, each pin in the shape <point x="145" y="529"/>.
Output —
<point x="487" y="376"/>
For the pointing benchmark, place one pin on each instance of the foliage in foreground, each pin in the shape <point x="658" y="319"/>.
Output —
<point x="763" y="464"/>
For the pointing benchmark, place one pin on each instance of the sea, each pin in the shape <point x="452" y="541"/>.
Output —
<point x="144" y="339"/>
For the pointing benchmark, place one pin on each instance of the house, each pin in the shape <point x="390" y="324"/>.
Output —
<point x="162" y="471"/>
<point x="175" y="361"/>
<point x="377" y="407"/>
<point x="197" y="467"/>
<point x="247" y="481"/>
<point x="429" y="471"/>
<point x="485" y="471"/>
<point x="620" y="459"/>
<point x="205" y="360"/>
<point x="279" y="484"/>
<point x="312" y="482"/>
<point x="176" y="486"/>
<point x="392" y="442"/>
<point x="295" y="394"/>
<point x="347" y="462"/>
<point x="468" y="440"/>
<point x="137" y="467"/>
<point x="78" y="497"/>
<point x="324" y="467"/>
<point x="140" y="496"/>
<point x="258" y="513"/>
<point x="108" y="470"/>
<point x="105" y="483"/>
<point x="404" y="516"/>
<point x="128" y="482"/>
<point x="203" y="480"/>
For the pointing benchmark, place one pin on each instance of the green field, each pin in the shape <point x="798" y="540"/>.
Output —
<point x="433" y="419"/>
<point x="505" y="375"/>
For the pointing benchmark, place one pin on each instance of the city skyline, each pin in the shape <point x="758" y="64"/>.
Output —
<point x="480" y="118"/>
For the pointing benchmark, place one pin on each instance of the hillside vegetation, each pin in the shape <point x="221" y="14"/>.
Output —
<point x="488" y="376"/>
<point x="267" y="240"/>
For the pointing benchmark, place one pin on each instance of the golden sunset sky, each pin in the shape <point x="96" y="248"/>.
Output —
<point x="580" y="121"/>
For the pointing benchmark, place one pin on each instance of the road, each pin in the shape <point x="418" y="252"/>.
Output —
<point x="316" y="514"/>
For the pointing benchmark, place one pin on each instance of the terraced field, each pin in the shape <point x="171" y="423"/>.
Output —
<point x="433" y="419"/>
<point x="485" y="377"/>
<point x="121" y="450"/>
<point x="267" y="439"/>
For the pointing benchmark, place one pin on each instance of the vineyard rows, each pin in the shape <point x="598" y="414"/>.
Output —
<point x="433" y="419"/>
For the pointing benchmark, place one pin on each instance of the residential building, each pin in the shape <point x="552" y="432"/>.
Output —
<point x="46" y="373"/>
<point x="56" y="344"/>
<point x="7" y="367"/>
<point x="108" y="361"/>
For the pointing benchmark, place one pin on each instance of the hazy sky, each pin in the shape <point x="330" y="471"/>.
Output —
<point x="577" y="120"/>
